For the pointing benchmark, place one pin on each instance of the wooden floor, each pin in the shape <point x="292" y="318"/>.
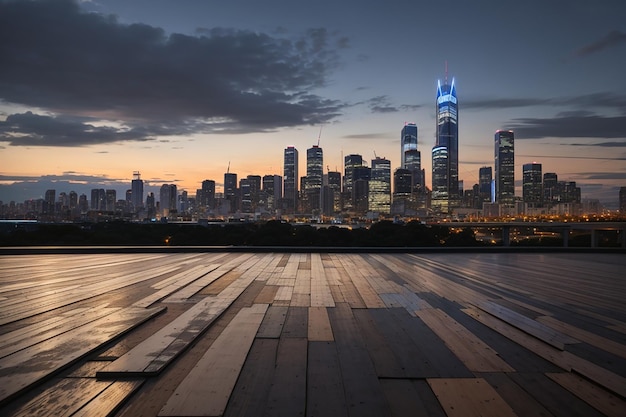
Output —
<point x="313" y="334"/>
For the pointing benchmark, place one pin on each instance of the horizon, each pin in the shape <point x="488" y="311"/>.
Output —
<point x="93" y="91"/>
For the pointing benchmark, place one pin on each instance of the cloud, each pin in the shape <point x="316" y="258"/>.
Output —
<point x="600" y="144"/>
<point x="612" y="39"/>
<point x="68" y="62"/>
<point x="28" y="129"/>
<point x="585" y="101"/>
<point x="570" y="127"/>
<point x="366" y="136"/>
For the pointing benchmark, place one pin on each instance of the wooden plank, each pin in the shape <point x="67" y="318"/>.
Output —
<point x="475" y="354"/>
<point x="469" y="397"/>
<point x="88" y="369"/>
<point x="296" y="322"/>
<point x="406" y="401"/>
<point x="586" y="336"/>
<point x="272" y="325"/>
<point x="601" y="400"/>
<point x="24" y="368"/>
<point x="363" y="392"/>
<point x="109" y="400"/>
<point x="266" y="295"/>
<point x="365" y="290"/>
<point x="530" y="326"/>
<point x="64" y="398"/>
<point x="565" y="360"/>
<point x="324" y="389"/>
<point x="200" y="395"/>
<point x="319" y="329"/>
<point x="250" y="394"/>
<point x="287" y="396"/>
<point x="522" y="403"/>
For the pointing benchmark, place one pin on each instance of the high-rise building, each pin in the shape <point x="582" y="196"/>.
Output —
<point x="504" y="151"/>
<point x="550" y="188"/>
<point x="168" y="196"/>
<point x="246" y="195"/>
<point x="350" y="162"/>
<point x="98" y="199"/>
<point x="230" y="191"/>
<point x="331" y="193"/>
<point x="49" y="202"/>
<point x="379" y="189"/>
<point x="207" y="198"/>
<point x="111" y="198"/>
<point x="273" y="188"/>
<point x="290" y="180"/>
<point x="136" y="192"/>
<point x="255" y="190"/>
<point x="531" y="183"/>
<point x="314" y="174"/>
<point x="485" y="176"/>
<point x="445" y="153"/>
<point x="408" y="147"/>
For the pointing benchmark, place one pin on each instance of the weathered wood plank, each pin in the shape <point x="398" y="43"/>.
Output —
<point x="469" y="397"/>
<point x="325" y="391"/>
<point x="475" y="354"/>
<point x="406" y="401"/>
<point x="530" y="326"/>
<point x="601" y="400"/>
<point x="287" y="396"/>
<point x="364" y="396"/>
<point x="251" y="391"/>
<point x="522" y="403"/>
<point x="319" y="329"/>
<point x="109" y="400"/>
<point x="296" y="322"/>
<point x="24" y="368"/>
<point x="199" y="395"/>
<point x="272" y="325"/>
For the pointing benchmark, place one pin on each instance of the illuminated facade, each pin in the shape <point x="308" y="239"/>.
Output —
<point x="136" y="192"/>
<point x="314" y="174"/>
<point x="445" y="153"/>
<point x="531" y="183"/>
<point x="290" y="179"/>
<point x="409" y="158"/>
<point x="379" y="189"/>
<point x="504" y="150"/>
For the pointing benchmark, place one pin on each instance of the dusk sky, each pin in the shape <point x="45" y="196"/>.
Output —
<point x="91" y="91"/>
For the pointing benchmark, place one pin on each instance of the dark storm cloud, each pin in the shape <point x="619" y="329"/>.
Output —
<point x="601" y="144"/>
<point x="570" y="127"/>
<point x="57" y="58"/>
<point x="28" y="129"/>
<point x="613" y="38"/>
<point x="602" y="99"/>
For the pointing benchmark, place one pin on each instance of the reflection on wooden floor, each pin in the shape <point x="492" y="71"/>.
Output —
<point x="315" y="334"/>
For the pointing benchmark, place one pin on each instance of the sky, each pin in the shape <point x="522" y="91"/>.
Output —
<point x="183" y="90"/>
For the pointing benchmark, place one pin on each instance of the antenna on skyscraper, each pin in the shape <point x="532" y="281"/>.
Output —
<point x="228" y="169"/>
<point x="319" y="136"/>
<point x="446" y="71"/>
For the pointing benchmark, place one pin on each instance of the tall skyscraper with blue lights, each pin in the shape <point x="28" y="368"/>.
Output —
<point x="445" y="153"/>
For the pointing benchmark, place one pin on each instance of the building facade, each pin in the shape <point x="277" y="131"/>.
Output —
<point x="445" y="153"/>
<point x="379" y="187"/>
<point x="532" y="189"/>
<point x="290" y="180"/>
<point x="504" y="150"/>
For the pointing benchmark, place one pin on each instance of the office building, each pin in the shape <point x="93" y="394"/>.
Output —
<point x="504" y="151"/>
<point x="485" y="177"/>
<point x="168" y="196"/>
<point x="550" y="188"/>
<point x="313" y="182"/>
<point x="351" y="162"/>
<point x="205" y="199"/>
<point x="379" y="187"/>
<point x="111" y="198"/>
<point x="290" y="180"/>
<point x="532" y="191"/>
<point x="136" y="192"/>
<point x="230" y="193"/>
<point x="408" y="144"/>
<point x="445" y="153"/>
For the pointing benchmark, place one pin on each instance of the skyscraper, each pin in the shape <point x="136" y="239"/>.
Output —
<point x="314" y="173"/>
<point x="168" y="196"/>
<point x="504" y="151"/>
<point x="485" y="176"/>
<point x="350" y="162"/>
<point x="273" y="188"/>
<point x="207" y="199"/>
<point x="445" y="153"/>
<point x="379" y="190"/>
<point x="290" y="179"/>
<point x="136" y="192"/>
<point x="408" y="142"/>
<point x="550" y="184"/>
<point x="230" y="192"/>
<point x="531" y="183"/>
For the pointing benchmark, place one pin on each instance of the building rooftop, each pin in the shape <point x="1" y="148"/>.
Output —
<point x="328" y="334"/>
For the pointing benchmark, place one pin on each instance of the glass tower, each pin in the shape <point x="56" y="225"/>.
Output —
<point x="505" y="167"/>
<point x="445" y="153"/>
<point x="408" y="143"/>
<point x="485" y="176"/>
<point x="314" y="173"/>
<point x="136" y="192"/>
<point x="290" y="179"/>
<point x="531" y="183"/>
<point x="379" y="190"/>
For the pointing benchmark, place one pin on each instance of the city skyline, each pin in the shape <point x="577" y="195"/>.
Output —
<point x="351" y="83"/>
